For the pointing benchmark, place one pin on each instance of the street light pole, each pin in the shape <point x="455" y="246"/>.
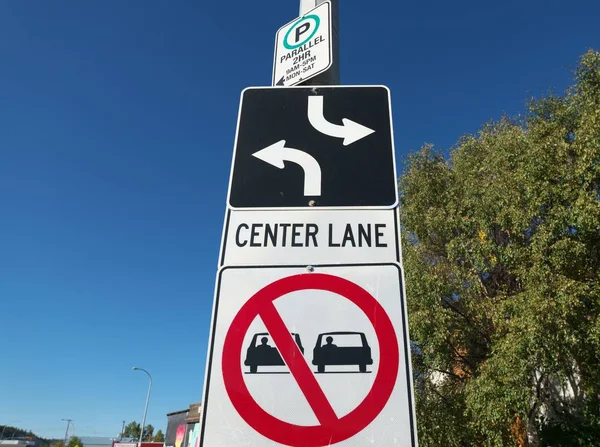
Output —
<point x="68" y="421"/>
<point x="135" y="368"/>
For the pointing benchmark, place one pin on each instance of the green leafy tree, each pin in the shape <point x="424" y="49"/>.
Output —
<point x="9" y="432"/>
<point x="501" y="247"/>
<point x="148" y="432"/>
<point x="132" y="430"/>
<point x="75" y="441"/>
<point x="159" y="437"/>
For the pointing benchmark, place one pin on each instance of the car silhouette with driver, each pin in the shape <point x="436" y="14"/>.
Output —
<point x="354" y="350"/>
<point x="260" y="353"/>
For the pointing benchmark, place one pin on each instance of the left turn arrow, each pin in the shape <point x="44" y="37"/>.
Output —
<point x="277" y="154"/>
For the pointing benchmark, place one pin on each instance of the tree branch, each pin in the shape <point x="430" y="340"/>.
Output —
<point x="468" y="320"/>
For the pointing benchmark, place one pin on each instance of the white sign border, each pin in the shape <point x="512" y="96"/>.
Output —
<point x="315" y="89"/>
<point x="329" y="44"/>
<point x="405" y="332"/>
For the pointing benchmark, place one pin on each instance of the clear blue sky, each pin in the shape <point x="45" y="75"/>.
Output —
<point x="117" y="122"/>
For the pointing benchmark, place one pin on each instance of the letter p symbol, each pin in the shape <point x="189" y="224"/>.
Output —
<point x="301" y="30"/>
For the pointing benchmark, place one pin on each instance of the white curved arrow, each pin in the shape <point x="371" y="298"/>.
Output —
<point x="276" y="154"/>
<point x="350" y="131"/>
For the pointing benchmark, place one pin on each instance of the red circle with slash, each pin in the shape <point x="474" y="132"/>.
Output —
<point x="331" y="429"/>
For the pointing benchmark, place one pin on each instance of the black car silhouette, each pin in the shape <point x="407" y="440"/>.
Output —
<point x="331" y="354"/>
<point x="260" y="353"/>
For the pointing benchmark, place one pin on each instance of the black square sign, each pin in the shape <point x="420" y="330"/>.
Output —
<point x="320" y="146"/>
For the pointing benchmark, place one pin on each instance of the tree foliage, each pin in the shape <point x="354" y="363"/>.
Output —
<point x="148" y="432"/>
<point x="10" y="432"/>
<point x="501" y="247"/>
<point x="132" y="430"/>
<point x="159" y="437"/>
<point x="74" y="441"/>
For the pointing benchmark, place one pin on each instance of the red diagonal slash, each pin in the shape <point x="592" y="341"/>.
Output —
<point x="298" y="367"/>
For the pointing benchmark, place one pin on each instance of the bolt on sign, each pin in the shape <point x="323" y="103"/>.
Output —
<point x="309" y="341"/>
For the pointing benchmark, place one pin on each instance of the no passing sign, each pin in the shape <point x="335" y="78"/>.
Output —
<point x="309" y="358"/>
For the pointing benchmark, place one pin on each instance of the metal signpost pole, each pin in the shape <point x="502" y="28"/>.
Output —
<point x="331" y="76"/>
<point x="310" y="253"/>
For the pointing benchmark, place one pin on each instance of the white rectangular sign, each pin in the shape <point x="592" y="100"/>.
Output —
<point x="303" y="47"/>
<point x="310" y="237"/>
<point x="309" y="357"/>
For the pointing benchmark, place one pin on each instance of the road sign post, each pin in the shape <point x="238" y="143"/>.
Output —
<point x="309" y="342"/>
<point x="331" y="76"/>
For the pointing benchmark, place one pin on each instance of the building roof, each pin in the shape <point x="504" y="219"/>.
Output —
<point x="96" y="440"/>
<point x="178" y="412"/>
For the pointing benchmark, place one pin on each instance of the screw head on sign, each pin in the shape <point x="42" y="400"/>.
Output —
<point x="310" y="268"/>
<point x="312" y="203"/>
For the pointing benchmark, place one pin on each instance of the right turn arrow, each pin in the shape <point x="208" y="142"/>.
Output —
<point x="350" y="131"/>
<point x="277" y="154"/>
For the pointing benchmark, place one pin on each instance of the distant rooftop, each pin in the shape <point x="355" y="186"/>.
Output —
<point x="96" y="440"/>
<point x="177" y="412"/>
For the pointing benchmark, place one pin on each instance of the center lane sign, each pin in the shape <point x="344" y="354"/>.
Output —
<point x="310" y="237"/>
